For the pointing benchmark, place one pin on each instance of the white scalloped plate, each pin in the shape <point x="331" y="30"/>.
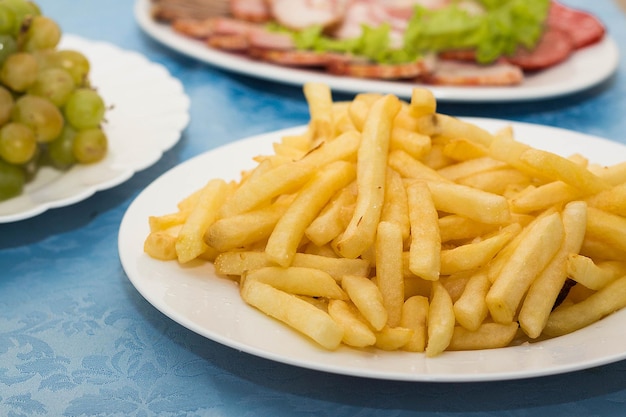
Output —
<point x="584" y="69"/>
<point x="211" y="306"/>
<point x="149" y="110"/>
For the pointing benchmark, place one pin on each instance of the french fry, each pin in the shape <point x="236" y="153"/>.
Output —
<point x="283" y="242"/>
<point x="356" y="331"/>
<point x="441" y="320"/>
<point x="567" y="319"/>
<point x="319" y="99"/>
<point x="425" y="247"/>
<point x="470" y="167"/>
<point x="190" y="239"/>
<point x="452" y="127"/>
<point x="393" y="338"/>
<point x="237" y="263"/>
<point x="487" y="336"/>
<point x="496" y="182"/>
<point x="592" y="275"/>
<point x="367" y="298"/>
<point x="469" y="202"/>
<point x="293" y="311"/>
<point x="413" y="143"/>
<point x="242" y="230"/>
<point x="530" y="257"/>
<point x="423" y="102"/>
<point x="545" y="289"/>
<point x="287" y="177"/>
<point x="544" y="196"/>
<point x="359" y="108"/>
<point x="476" y="254"/>
<point x="333" y="218"/>
<point x="607" y="227"/>
<point x="612" y="200"/>
<point x="409" y="167"/>
<point x="557" y="167"/>
<point x="161" y="244"/>
<point x="470" y="309"/>
<point x="415" y="317"/>
<point x="371" y="173"/>
<point x="396" y="206"/>
<point x="461" y="149"/>
<point x="389" y="276"/>
<point x="455" y="227"/>
<point x="311" y="282"/>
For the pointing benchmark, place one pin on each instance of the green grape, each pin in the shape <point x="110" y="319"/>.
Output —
<point x="90" y="145"/>
<point x="42" y="33"/>
<point x="6" y="105"/>
<point x="17" y="143"/>
<point x="19" y="71"/>
<point x="61" y="150"/>
<point x="8" y="21"/>
<point x="22" y="10"/>
<point x="55" y="84"/>
<point x="39" y="114"/>
<point x="8" y="46"/>
<point x="75" y="63"/>
<point x="84" y="109"/>
<point x="12" y="179"/>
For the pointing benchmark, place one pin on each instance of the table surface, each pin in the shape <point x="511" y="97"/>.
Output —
<point x="76" y="338"/>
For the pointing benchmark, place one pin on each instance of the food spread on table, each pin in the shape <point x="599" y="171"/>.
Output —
<point x="435" y="42"/>
<point x="49" y="112"/>
<point x="388" y="225"/>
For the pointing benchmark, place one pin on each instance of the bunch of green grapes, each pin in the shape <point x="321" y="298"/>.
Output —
<point x="49" y="113"/>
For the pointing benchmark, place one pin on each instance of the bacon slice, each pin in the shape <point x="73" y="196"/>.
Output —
<point x="583" y="28"/>
<point x="462" y="73"/>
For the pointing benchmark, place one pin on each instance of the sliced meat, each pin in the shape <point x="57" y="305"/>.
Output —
<point x="301" y="14"/>
<point x="231" y="43"/>
<point x="583" y="28"/>
<point x="250" y="10"/>
<point x="461" y="73"/>
<point x="365" y="69"/>
<point x="555" y="46"/>
<point x="291" y="58"/>
<point x="263" y="38"/>
<point x="170" y="10"/>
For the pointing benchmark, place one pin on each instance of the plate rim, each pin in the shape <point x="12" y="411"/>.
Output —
<point x="295" y="77"/>
<point x="128" y="261"/>
<point x="75" y="41"/>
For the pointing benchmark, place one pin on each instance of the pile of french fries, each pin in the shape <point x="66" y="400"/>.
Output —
<point x="386" y="224"/>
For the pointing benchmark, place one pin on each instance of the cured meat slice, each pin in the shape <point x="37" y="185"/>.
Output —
<point x="583" y="28"/>
<point x="301" y="14"/>
<point x="170" y="10"/>
<point x="365" y="69"/>
<point x="250" y="10"/>
<point x="291" y="58"/>
<point x="462" y="73"/>
<point x="555" y="46"/>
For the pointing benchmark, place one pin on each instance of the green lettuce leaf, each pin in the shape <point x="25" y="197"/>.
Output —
<point x="505" y="26"/>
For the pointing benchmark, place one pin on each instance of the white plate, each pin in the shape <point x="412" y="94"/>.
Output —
<point x="211" y="306"/>
<point x="586" y="68"/>
<point x="149" y="110"/>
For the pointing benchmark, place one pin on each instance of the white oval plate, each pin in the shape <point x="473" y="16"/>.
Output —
<point x="149" y="110"/>
<point x="584" y="69"/>
<point x="211" y="306"/>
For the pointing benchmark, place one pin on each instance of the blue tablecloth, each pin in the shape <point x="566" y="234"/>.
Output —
<point x="77" y="339"/>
